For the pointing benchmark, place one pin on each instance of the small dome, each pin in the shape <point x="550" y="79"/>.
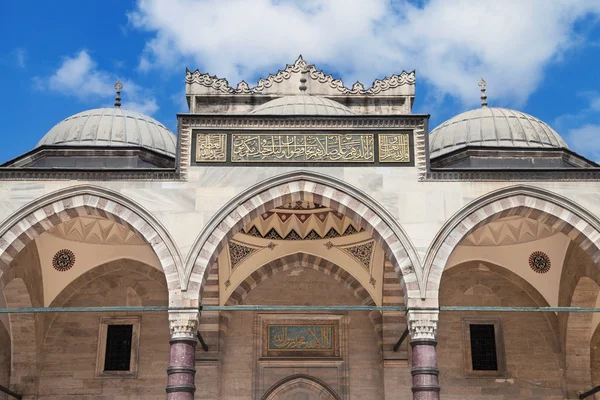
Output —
<point x="302" y="105"/>
<point x="112" y="127"/>
<point x="492" y="127"/>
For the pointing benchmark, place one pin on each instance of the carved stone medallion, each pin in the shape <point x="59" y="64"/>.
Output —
<point x="539" y="262"/>
<point x="63" y="260"/>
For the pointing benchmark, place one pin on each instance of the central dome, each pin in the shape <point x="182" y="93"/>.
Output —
<point x="492" y="127"/>
<point x="302" y="105"/>
<point x="111" y="127"/>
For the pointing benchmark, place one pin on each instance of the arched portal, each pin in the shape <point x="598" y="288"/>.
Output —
<point x="305" y="186"/>
<point x="300" y="387"/>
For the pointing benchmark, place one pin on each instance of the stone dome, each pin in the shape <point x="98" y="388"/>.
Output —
<point x="111" y="127"/>
<point x="302" y="105"/>
<point x="492" y="127"/>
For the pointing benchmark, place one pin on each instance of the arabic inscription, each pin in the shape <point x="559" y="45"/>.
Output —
<point x="301" y="337"/>
<point x="211" y="148"/>
<point x="394" y="148"/>
<point x="303" y="148"/>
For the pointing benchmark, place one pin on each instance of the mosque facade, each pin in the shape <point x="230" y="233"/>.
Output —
<point x="300" y="240"/>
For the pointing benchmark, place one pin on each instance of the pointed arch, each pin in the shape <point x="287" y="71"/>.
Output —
<point x="311" y="262"/>
<point x="48" y="211"/>
<point x="581" y="226"/>
<point x="306" y="383"/>
<point x="311" y="186"/>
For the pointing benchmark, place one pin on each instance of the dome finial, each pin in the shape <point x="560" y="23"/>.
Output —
<point x="303" y="79"/>
<point x="482" y="84"/>
<point x="118" y="86"/>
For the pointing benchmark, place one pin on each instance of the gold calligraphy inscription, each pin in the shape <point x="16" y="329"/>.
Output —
<point x="394" y="148"/>
<point x="303" y="148"/>
<point x="211" y="148"/>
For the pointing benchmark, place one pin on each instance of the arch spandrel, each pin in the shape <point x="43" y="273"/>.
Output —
<point x="48" y="211"/>
<point x="305" y="186"/>
<point x="580" y="225"/>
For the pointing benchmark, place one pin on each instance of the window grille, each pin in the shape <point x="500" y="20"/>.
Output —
<point x="483" y="347"/>
<point x="118" y="348"/>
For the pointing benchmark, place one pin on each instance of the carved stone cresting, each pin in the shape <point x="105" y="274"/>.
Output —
<point x="394" y="148"/>
<point x="303" y="148"/>
<point x="183" y="325"/>
<point x="379" y="85"/>
<point x="211" y="148"/>
<point x="423" y="324"/>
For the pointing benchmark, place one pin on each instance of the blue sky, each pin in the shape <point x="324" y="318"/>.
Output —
<point x="538" y="56"/>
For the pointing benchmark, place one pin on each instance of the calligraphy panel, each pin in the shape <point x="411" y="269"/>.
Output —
<point x="211" y="148"/>
<point x="394" y="148"/>
<point x="303" y="148"/>
<point x="290" y="338"/>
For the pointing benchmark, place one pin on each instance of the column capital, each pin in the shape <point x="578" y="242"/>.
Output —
<point x="422" y="324"/>
<point x="183" y="324"/>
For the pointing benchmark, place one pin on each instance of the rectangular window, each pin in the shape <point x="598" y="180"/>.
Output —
<point x="483" y="344"/>
<point x="483" y="347"/>
<point x="118" y="348"/>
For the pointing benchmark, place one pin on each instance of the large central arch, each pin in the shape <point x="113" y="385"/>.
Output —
<point x="305" y="186"/>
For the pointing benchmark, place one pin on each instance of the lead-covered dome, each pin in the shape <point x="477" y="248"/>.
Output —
<point x="302" y="105"/>
<point x="111" y="127"/>
<point x="492" y="127"/>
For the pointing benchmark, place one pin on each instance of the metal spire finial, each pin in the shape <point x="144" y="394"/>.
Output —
<point x="118" y="86"/>
<point x="482" y="84"/>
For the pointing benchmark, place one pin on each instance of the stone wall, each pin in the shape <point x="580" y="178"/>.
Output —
<point x="303" y="286"/>
<point x="4" y="360"/>
<point x="68" y="365"/>
<point x="531" y="350"/>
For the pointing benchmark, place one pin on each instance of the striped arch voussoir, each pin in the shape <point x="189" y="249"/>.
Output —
<point x="38" y="217"/>
<point x="307" y="186"/>
<point x="553" y="210"/>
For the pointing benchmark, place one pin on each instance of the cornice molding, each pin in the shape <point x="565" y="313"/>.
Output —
<point x="222" y="85"/>
<point x="243" y="121"/>
<point x="513" y="176"/>
<point x="14" y="174"/>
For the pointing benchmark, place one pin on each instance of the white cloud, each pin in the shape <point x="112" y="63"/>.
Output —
<point x="80" y="77"/>
<point x="586" y="141"/>
<point x="20" y="56"/>
<point x="450" y="43"/>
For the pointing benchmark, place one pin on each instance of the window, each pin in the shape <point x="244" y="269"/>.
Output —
<point x="484" y="347"/>
<point x="117" y="355"/>
<point x="118" y="347"/>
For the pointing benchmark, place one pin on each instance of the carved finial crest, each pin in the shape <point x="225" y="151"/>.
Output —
<point x="118" y="86"/>
<point x="300" y="63"/>
<point x="482" y="84"/>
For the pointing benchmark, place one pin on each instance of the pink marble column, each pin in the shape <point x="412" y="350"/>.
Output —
<point x="182" y="371"/>
<point x="424" y="371"/>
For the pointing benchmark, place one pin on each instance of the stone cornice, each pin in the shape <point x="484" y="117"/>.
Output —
<point x="20" y="174"/>
<point x="513" y="175"/>
<point x="208" y="121"/>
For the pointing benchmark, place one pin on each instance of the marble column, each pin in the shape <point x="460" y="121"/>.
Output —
<point x="182" y="370"/>
<point x="424" y="371"/>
